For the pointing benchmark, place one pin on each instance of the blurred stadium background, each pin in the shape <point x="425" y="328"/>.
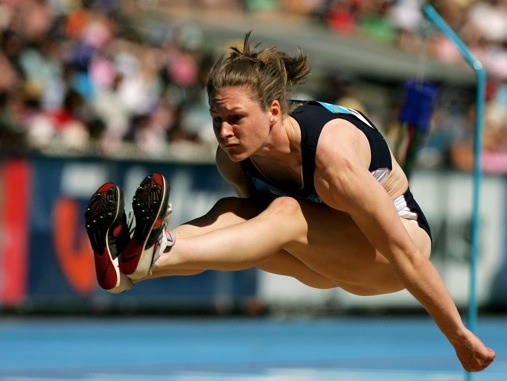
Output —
<point x="102" y="90"/>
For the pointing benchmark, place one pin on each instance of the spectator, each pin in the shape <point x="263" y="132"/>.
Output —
<point x="152" y="94"/>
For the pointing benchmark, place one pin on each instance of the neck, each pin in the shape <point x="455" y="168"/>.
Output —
<point x="284" y="140"/>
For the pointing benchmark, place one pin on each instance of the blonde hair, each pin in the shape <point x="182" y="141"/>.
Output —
<point x="268" y="74"/>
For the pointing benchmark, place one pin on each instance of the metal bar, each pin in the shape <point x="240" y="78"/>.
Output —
<point x="476" y="65"/>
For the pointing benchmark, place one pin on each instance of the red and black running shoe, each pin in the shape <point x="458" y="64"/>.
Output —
<point x="106" y="225"/>
<point x="150" y="205"/>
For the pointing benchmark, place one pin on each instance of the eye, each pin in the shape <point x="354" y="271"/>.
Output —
<point x="236" y="118"/>
<point x="217" y="120"/>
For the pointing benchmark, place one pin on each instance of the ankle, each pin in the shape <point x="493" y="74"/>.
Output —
<point x="165" y="243"/>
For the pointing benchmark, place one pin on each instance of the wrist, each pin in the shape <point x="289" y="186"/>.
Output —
<point x="459" y="336"/>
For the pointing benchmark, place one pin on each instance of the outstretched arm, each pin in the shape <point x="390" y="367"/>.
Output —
<point x="344" y="182"/>
<point x="419" y="276"/>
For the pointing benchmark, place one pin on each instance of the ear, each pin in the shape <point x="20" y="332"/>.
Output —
<point x="275" y="111"/>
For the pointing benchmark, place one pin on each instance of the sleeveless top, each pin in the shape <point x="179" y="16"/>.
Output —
<point x="311" y="117"/>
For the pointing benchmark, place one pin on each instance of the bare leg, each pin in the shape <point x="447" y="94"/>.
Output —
<point x="281" y="263"/>
<point x="228" y="212"/>
<point x="258" y="238"/>
<point x="320" y="246"/>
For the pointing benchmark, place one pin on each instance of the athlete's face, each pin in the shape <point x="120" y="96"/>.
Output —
<point x="241" y="126"/>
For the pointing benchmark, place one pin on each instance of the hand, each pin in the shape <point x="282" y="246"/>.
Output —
<point x="473" y="354"/>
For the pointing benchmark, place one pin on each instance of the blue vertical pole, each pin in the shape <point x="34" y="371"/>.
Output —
<point x="435" y="18"/>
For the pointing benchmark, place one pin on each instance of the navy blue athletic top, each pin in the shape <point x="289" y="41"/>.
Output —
<point x="311" y="117"/>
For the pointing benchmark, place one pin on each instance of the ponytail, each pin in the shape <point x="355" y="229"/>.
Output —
<point x="269" y="74"/>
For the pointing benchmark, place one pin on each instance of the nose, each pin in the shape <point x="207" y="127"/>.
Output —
<point x="225" y="131"/>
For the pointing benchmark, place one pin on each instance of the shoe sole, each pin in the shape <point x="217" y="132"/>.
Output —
<point x="149" y="204"/>
<point x="105" y="223"/>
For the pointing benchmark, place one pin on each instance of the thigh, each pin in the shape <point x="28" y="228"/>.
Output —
<point x="336" y="248"/>
<point x="284" y="263"/>
<point x="232" y="211"/>
<point x="226" y="212"/>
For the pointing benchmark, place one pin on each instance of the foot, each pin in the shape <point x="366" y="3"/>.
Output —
<point x="106" y="225"/>
<point x="151" y="208"/>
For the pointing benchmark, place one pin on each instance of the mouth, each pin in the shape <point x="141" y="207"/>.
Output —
<point x="233" y="150"/>
<point x="229" y="146"/>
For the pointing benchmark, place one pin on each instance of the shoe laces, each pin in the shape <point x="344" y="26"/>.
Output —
<point x="165" y="241"/>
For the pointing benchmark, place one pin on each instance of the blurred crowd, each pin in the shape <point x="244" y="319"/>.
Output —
<point x="482" y="26"/>
<point x="81" y="75"/>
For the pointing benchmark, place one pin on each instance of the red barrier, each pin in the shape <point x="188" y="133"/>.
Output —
<point x="14" y="246"/>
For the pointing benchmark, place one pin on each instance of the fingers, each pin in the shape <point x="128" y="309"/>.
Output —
<point x="473" y="354"/>
<point x="480" y="361"/>
<point x="476" y="357"/>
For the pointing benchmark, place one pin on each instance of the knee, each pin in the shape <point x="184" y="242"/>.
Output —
<point x="285" y="206"/>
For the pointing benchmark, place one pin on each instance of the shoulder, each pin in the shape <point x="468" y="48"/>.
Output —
<point x="342" y="142"/>
<point x="229" y="169"/>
